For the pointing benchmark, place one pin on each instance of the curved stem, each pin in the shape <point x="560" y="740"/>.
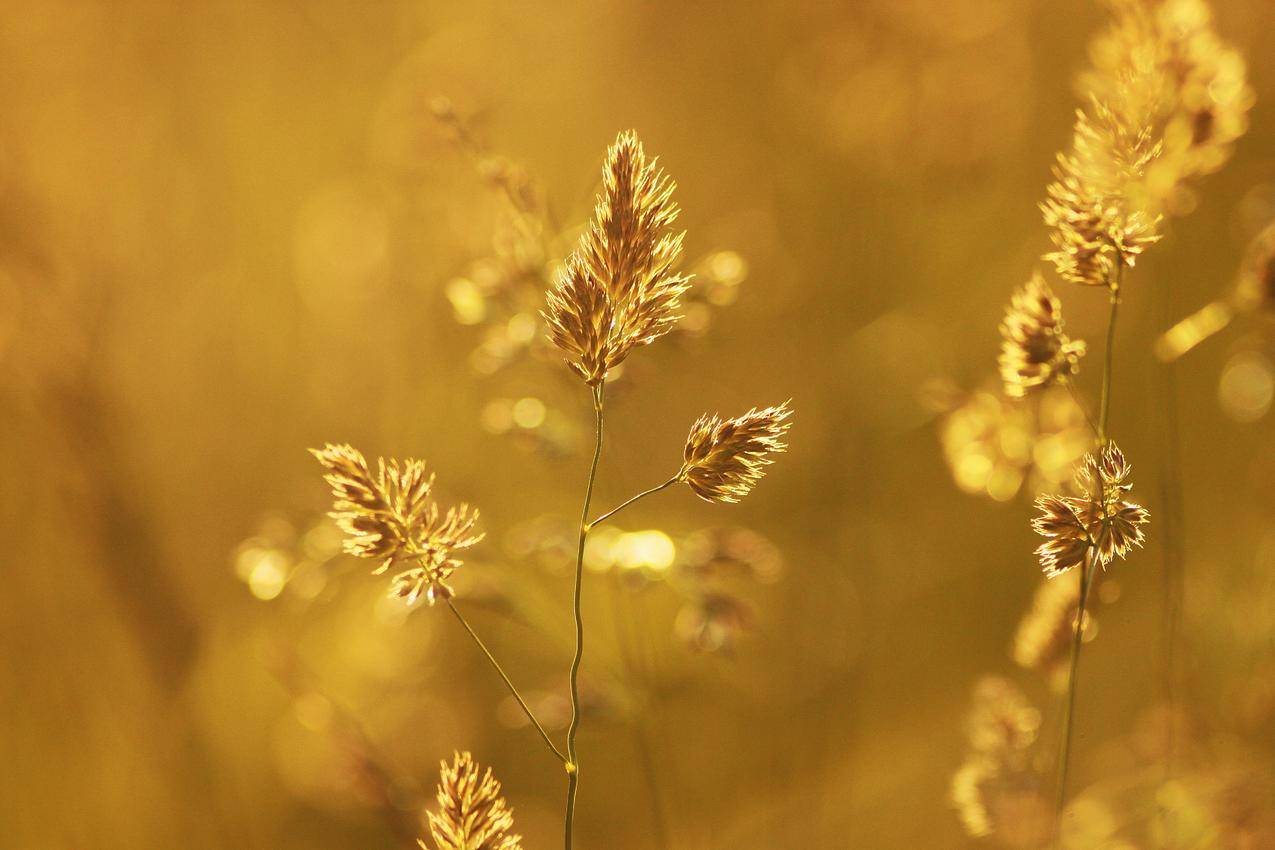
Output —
<point x="626" y="503"/>
<point x="508" y="683"/>
<point x="573" y="761"/>
<point x="1064" y="757"/>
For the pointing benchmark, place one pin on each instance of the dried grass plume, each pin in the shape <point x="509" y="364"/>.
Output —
<point x="1101" y="524"/>
<point x="1094" y="224"/>
<point x="390" y="515"/>
<point x="725" y="458"/>
<point x="620" y="289"/>
<point x="1191" y="84"/>
<point x="472" y="815"/>
<point x="1034" y="350"/>
<point x="998" y="790"/>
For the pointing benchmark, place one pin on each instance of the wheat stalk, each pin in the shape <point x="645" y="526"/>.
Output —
<point x="1166" y="99"/>
<point x="620" y="290"/>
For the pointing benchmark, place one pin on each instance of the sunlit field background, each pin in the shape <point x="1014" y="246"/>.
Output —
<point x="231" y="231"/>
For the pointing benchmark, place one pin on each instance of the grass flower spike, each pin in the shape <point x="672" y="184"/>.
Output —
<point x="724" y="459"/>
<point x="1035" y="352"/>
<point x="1192" y="81"/>
<point x="1094" y="227"/>
<point x="1101" y="524"/>
<point x="391" y="516"/>
<point x="619" y="289"/>
<point x="1044" y="635"/>
<point x="472" y="815"/>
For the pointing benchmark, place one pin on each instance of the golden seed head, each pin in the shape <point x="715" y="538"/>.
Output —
<point x="1012" y="805"/>
<point x="1100" y="525"/>
<point x="1034" y="350"/>
<point x="1046" y="631"/>
<point x="1191" y="84"/>
<point x="1001" y="721"/>
<point x="1066" y="536"/>
<point x="391" y="516"/>
<point x="619" y="289"/>
<point x="472" y="815"/>
<point x="1094" y="225"/>
<point x="725" y="458"/>
<point x="997" y="789"/>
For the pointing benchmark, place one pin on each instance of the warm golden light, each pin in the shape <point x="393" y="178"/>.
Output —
<point x="870" y="406"/>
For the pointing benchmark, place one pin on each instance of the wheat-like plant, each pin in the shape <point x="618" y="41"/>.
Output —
<point x="1165" y="101"/>
<point x="619" y="290"/>
<point x="1094" y="528"/>
<point x="1045" y="632"/>
<point x="390" y="516"/>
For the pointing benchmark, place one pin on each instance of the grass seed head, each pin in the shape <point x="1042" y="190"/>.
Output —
<point x="620" y="288"/>
<point x="472" y="814"/>
<point x="1034" y="350"/>
<point x="1101" y="524"/>
<point x="725" y="458"/>
<point x="390" y="515"/>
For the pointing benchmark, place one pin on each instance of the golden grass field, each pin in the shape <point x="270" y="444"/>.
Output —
<point x="936" y="341"/>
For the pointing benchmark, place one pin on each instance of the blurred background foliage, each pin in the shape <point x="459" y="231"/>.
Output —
<point x="230" y="230"/>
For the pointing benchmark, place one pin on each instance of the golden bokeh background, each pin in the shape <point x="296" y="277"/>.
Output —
<point x="230" y="231"/>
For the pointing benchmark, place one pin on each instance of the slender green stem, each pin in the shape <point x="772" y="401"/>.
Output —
<point x="1087" y="568"/>
<point x="1104" y="408"/>
<point x="604" y="517"/>
<point x="1069" y="710"/>
<point x="508" y="682"/>
<point x="573" y="760"/>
